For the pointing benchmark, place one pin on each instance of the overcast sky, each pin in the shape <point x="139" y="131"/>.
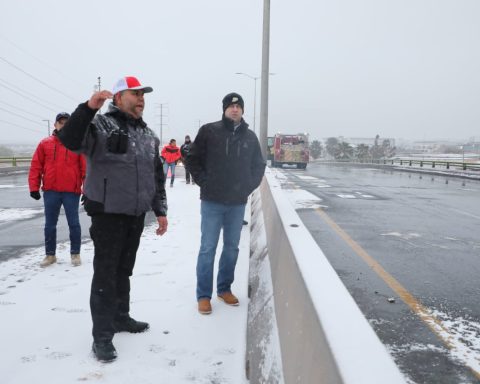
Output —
<point x="356" y="68"/>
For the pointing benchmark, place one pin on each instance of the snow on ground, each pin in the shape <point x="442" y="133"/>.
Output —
<point x="46" y="324"/>
<point x="14" y="214"/>
<point x="299" y="198"/>
<point x="302" y="199"/>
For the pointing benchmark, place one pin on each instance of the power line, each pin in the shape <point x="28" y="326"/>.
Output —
<point x="36" y="79"/>
<point x="30" y="93"/>
<point x="18" y="115"/>
<point x="39" y="60"/>
<point x="26" y="97"/>
<point x="19" y="126"/>
<point x="20" y="109"/>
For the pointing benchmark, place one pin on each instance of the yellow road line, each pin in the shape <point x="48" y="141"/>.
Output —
<point x="419" y="309"/>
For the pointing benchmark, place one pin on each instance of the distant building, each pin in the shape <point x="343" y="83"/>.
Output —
<point x="472" y="147"/>
<point x="432" y="146"/>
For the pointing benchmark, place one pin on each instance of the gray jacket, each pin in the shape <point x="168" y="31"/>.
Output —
<point x="124" y="171"/>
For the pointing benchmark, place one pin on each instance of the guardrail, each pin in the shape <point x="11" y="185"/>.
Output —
<point x="421" y="163"/>
<point x="13" y="161"/>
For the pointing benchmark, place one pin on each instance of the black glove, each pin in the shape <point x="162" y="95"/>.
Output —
<point x="35" y="195"/>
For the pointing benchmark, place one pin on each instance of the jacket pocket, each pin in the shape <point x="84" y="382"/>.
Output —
<point x="92" y="207"/>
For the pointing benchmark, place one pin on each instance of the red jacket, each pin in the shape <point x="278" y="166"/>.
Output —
<point x="55" y="168"/>
<point x="171" y="153"/>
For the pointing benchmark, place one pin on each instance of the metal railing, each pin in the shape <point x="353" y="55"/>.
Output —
<point x="14" y="161"/>
<point x="431" y="163"/>
<point x="447" y="164"/>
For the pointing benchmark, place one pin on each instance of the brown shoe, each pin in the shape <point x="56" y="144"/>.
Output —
<point x="76" y="261"/>
<point x="204" y="306"/>
<point x="48" y="260"/>
<point x="228" y="298"/>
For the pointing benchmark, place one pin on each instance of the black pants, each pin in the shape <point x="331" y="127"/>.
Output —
<point x="116" y="239"/>
<point x="187" y="175"/>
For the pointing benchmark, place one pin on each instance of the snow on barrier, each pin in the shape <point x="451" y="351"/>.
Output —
<point x="303" y="325"/>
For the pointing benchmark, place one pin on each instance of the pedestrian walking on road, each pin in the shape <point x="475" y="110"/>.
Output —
<point x="171" y="154"/>
<point x="60" y="174"/>
<point x="124" y="180"/>
<point x="184" y="149"/>
<point x="225" y="160"/>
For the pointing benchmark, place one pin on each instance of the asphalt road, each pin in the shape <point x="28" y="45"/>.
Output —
<point x="23" y="232"/>
<point x="407" y="248"/>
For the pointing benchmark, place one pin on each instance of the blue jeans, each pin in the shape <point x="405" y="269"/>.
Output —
<point x="215" y="217"/>
<point x="53" y="202"/>
<point x="172" y="169"/>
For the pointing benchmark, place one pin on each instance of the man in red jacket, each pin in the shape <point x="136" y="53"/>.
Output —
<point x="60" y="174"/>
<point x="171" y="153"/>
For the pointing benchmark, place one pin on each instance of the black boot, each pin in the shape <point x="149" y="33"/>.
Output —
<point x="127" y="324"/>
<point x="104" y="351"/>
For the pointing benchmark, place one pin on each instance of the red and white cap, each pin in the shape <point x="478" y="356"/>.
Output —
<point x="129" y="82"/>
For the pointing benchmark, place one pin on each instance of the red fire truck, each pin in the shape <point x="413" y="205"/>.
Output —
<point x="291" y="150"/>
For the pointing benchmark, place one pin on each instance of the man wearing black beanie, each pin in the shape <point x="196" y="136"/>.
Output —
<point x="225" y="160"/>
<point x="233" y="98"/>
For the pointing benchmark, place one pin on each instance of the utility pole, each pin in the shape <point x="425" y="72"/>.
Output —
<point x="48" y="125"/>
<point x="97" y="88"/>
<point x="161" y="122"/>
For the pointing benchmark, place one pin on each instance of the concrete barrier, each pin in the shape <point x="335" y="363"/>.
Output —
<point x="303" y="325"/>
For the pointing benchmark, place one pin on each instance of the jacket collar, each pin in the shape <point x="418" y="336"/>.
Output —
<point x="230" y="125"/>
<point x="113" y="110"/>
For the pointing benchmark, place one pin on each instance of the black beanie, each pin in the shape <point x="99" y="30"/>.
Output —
<point x="233" y="98"/>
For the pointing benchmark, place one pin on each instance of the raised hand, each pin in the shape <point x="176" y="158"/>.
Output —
<point x="98" y="99"/>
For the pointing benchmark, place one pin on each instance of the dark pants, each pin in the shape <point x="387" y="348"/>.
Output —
<point x="187" y="175"/>
<point x="116" y="239"/>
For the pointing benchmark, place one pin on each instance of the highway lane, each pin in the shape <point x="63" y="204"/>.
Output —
<point x="406" y="246"/>
<point x="23" y="218"/>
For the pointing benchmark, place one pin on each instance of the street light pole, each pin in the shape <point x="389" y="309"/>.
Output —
<point x="255" y="104"/>
<point x="265" y="78"/>
<point x="48" y="125"/>
<point x="254" y="96"/>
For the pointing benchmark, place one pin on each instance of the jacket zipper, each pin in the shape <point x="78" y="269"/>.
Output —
<point x="104" y="192"/>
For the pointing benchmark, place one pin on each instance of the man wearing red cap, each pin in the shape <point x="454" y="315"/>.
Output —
<point x="124" y="180"/>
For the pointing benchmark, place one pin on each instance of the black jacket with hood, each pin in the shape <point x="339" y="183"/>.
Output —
<point x="227" y="164"/>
